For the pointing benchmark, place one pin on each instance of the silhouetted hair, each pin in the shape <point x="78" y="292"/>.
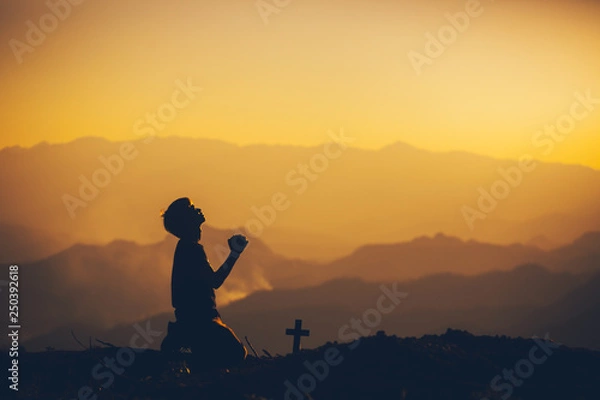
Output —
<point x="176" y="218"/>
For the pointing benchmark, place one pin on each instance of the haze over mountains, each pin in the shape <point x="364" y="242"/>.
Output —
<point x="450" y="283"/>
<point x="324" y="240"/>
<point x="381" y="196"/>
<point x="526" y="301"/>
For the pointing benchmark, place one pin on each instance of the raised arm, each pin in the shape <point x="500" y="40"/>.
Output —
<point x="237" y="244"/>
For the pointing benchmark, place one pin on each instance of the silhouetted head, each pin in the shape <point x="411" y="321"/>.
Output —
<point x="183" y="219"/>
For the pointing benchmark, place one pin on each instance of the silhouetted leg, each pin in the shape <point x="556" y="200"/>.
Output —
<point x="233" y="352"/>
<point x="217" y="346"/>
<point x="170" y="343"/>
<point x="177" y="337"/>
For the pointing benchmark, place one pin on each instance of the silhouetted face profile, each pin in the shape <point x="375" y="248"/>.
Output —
<point x="183" y="219"/>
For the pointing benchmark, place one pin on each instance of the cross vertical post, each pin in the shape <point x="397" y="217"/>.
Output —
<point x="297" y="333"/>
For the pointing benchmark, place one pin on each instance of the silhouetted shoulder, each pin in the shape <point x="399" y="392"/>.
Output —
<point x="188" y="250"/>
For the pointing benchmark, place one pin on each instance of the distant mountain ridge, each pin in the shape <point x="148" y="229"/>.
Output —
<point x="442" y="253"/>
<point x="363" y="196"/>
<point x="87" y="284"/>
<point x="526" y="301"/>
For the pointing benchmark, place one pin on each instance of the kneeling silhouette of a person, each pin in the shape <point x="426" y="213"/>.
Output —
<point x="199" y="325"/>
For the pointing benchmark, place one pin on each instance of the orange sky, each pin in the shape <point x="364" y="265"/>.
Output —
<point x="315" y="66"/>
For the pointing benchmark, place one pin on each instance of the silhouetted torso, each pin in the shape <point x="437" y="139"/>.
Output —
<point x="192" y="293"/>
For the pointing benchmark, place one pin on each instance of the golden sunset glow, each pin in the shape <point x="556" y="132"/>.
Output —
<point x="313" y="67"/>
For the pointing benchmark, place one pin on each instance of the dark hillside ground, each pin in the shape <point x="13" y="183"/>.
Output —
<point x="455" y="365"/>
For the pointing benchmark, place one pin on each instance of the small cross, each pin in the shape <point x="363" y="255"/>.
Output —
<point x="297" y="333"/>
